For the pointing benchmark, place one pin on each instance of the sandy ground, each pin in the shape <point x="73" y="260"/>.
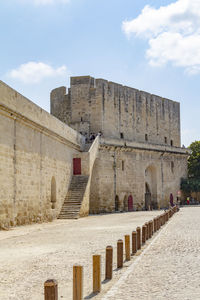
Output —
<point x="169" y="268"/>
<point x="29" y="255"/>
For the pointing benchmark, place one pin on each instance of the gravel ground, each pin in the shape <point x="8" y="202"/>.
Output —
<point x="169" y="268"/>
<point x="31" y="254"/>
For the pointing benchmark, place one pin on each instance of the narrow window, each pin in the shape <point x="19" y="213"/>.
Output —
<point x="121" y="135"/>
<point x="165" y="140"/>
<point x="171" y="143"/>
<point x="53" y="192"/>
<point x="81" y="119"/>
<point x="146" y="137"/>
<point x="172" y="166"/>
<point x="122" y="165"/>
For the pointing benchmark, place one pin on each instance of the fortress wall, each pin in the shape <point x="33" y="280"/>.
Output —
<point x="136" y="113"/>
<point x="113" y="109"/>
<point x="109" y="179"/>
<point x="58" y="99"/>
<point x="36" y="153"/>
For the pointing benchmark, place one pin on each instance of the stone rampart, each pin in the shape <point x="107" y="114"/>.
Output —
<point x="36" y="154"/>
<point x="118" y="111"/>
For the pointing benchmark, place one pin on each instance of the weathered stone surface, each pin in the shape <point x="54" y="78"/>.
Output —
<point x="136" y="163"/>
<point x="35" y="148"/>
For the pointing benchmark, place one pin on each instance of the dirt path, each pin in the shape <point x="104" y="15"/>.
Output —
<point x="31" y="254"/>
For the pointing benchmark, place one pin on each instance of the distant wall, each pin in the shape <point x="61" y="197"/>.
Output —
<point x="124" y="171"/>
<point x="36" y="153"/>
<point x="118" y="111"/>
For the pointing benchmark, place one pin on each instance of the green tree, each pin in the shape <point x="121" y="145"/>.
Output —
<point x="192" y="183"/>
<point x="194" y="161"/>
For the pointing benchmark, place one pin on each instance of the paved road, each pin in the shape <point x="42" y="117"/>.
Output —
<point x="169" y="268"/>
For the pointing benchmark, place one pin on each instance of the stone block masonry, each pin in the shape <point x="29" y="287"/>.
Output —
<point x="134" y="164"/>
<point x="36" y="154"/>
<point x="140" y="162"/>
<point x="118" y="111"/>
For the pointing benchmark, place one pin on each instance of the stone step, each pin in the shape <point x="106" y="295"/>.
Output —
<point x="72" y="200"/>
<point x="70" y="211"/>
<point x="78" y="200"/>
<point x="69" y="195"/>
<point x="68" y="217"/>
<point x="74" y="197"/>
<point x="72" y="203"/>
<point x="79" y="180"/>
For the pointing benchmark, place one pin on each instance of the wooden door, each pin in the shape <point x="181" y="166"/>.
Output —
<point x="130" y="203"/>
<point x="77" y="166"/>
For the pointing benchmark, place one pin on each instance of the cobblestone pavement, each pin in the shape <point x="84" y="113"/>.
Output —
<point x="31" y="254"/>
<point x="169" y="267"/>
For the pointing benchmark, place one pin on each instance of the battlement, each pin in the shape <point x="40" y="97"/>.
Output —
<point x="86" y="80"/>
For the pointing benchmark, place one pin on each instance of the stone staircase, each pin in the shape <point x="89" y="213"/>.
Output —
<point x="72" y="204"/>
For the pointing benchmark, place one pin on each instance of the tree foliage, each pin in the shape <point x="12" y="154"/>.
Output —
<point x="192" y="183"/>
<point x="194" y="161"/>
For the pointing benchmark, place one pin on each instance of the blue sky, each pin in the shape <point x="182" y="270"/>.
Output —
<point x="149" y="45"/>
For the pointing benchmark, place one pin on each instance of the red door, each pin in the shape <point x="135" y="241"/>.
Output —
<point x="130" y="203"/>
<point x="76" y="166"/>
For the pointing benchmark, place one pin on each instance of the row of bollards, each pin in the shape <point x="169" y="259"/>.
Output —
<point x="139" y="238"/>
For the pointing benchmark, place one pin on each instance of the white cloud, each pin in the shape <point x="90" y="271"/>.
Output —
<point x="173" y="34"/>
<point x="34" y="72"/>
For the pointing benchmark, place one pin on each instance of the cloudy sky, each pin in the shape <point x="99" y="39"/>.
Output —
<point x="150" y="45"/>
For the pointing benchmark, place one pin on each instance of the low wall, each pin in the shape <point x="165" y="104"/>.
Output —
<point x="36" y="154"/>
<point x="92" y="155"/>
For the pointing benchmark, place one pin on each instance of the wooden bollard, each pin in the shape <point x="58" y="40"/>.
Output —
<point x="144" y="228"/>
<point x="154" y="225"/>
<point x="127" y="247"/>
<point x="158" y="222"/>
<point x="51" y="290"/>
<point x="109" y="262"/>
<point x="134" y="242"/>
<point x="119" y="254"/>
<point x="149" y="226"/>
<point x="150" y="230"/>
<point x="96" y="273"/>
<point x="77" y="282"/>
<point x="147" y="231"/>
<point x="138" y="229"/>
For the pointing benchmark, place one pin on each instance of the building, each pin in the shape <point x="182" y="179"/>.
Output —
<point x="140" y="161"/>
<point x="50" y="168"/>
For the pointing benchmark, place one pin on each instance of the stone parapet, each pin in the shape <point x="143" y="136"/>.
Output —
<point x="128" y="145"/>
